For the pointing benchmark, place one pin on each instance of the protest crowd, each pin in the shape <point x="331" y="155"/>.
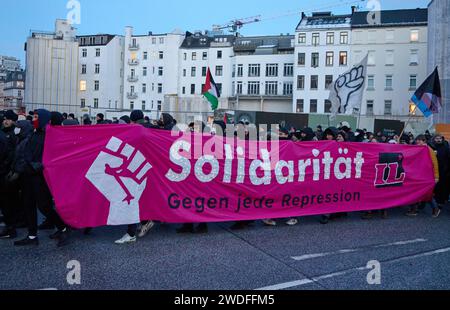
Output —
<point x="24" y="191"/>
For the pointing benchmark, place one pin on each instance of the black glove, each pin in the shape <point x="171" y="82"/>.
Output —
<point x="12" y="177"/>
<point x="37" y="167"/>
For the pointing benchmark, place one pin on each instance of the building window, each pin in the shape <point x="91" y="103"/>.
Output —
<point x="288" y="69"/>
<point x="131" y="105"/>
<point x="369" y="110"/>
<point x="84" y="53"/>
<point x="413" y="82"/>
<point x="254" y="70"/>
<point x="327" y="106"/>
<point x="219" y="54"/>
<point x="300" y="82"/>
<point x="205" y="56"/>
<point x="287" y="89"/>
<point x="328" y="81"/>
<point x="253" y="88"/>
<point x="153" y="87"/>
<point x="96" y="85"/>
<point x="239" y="88"/>
<point x="371" y="58"/>
<point x="372" y="36"/>
<point x="184" y="90"/>
<point x="390" y="36"/>
<point x="97" y="52"/>
<point x="219" y="87"/>
<point x="185" y="56"/>
<point x="301" y="59"/>
<point x="95" y="103"/>
<point x="184" y="72"/>
<point x="313" y="106"/>
<point x="97" y="69"/>
<point x="240" y="70"/>
<point x="193" y="71"/>
<point x="145" y="56"/>
<point x="300" y="106"/>
<point x="83" y="69"/>
<point x="153" y="40"/>
<point x="389" y="58"/>
<point x="314" y="60"/>
<point x="370" y="82"/>
<point x="143" y="106"/>
<point x="144" y="88"/>
<point x="144" y="71"/>
<point x="83" y="103"/>
<point x="414" y="58"/>
<point x="344" y="38"/>
<point x="160" y="88"/>
<point x="272" y="70"/>
<point x="159" y="105"/>
<point x="329" y="59"/>
<point x="343" y="58"/>
<point x="414" y="35"/>
<point x="160" y="71"/>
<point x="330" y="38"/>
<point x="271" y="88"/>
<point x="388" y="85"/>
<point x="302" y="38"/>
<point x="194" y="56"/>
<point x="161" y="55"/>
<point x="314" y="82"/>
<point x="219" y="70"/>
<point x="315" y="39"/>
<point x="192" y="89"/>
<point x="204" y="71"/>
<point x="161" y="40"/>
<point x="387" y="107"/>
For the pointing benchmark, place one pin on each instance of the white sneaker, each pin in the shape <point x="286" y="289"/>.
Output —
<point x="292" y="222"/>
<point x="270" y="223"/>
<point x="145" y="229"/>
<point x="126" y="239"/>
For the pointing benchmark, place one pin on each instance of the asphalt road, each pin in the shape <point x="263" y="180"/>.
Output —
<point x="414" y="253"/>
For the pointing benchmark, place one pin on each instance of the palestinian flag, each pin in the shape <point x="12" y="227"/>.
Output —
<point x="428" y="97"/>
<point x="211" y="92"/>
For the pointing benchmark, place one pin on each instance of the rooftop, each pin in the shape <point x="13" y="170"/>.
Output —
<point x="393" y="18"/>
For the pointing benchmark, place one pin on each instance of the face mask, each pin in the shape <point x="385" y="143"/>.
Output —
<point x="36" y="124"/>
<point x="17" y="131"/>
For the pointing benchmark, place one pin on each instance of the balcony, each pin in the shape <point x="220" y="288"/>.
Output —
<point x="133" y="79"/>
<point x="132" y="95"/>
<point x="133" y="47"/>
<point x="134" y="62"/>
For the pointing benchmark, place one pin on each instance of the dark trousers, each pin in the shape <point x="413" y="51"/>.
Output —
<point x="9" y="196"/>
<point x="36" y="196"/>
<point x="441" y="192"/>
<point x="132" y="230"/>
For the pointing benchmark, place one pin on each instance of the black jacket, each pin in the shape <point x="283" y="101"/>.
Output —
<point x="10" y="148"/>
<point x="34" y="148"/>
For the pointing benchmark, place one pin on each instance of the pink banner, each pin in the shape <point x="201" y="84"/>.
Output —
<point x="115" y="175"/>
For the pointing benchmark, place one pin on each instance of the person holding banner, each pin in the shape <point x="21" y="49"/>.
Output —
<point x="443" y="156"/>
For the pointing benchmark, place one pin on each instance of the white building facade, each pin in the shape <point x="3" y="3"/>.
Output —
<point x="14" y="91"/>
<point x="52" y="64"/>
<point x="8" y="63"/>
<point x="100" y="73"/>
<point x="397" y="59"/>
<point x="150" y="70"/>
<point x="322" y="53"/>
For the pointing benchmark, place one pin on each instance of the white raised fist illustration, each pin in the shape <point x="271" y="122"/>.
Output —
<point x="120" y="174"/>
<point x="347" y="84"/>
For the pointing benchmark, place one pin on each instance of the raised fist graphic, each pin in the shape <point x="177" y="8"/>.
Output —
<point x="120" y="174"/>
<point x="348" y="84"/>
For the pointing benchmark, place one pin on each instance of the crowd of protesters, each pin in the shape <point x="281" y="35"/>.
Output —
<point x="24" y="191"/>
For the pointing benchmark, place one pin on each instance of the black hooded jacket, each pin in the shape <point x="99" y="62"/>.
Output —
<point x="34" y="148"/>
<point x="309" y="134"/>
<point x="168" y="121"/>
<point x="443" y="156"/>
<point x="26" y="130"/>
<point x="10" y="148"/>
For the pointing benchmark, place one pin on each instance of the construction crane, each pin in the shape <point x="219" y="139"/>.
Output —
<point x="235" y="25"/>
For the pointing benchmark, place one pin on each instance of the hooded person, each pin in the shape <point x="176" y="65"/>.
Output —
<point x="308" y="134"/>
<point x="87" y="120"/>
<point x="100" y="118"/>
<point x="330" y="134"/>
<point x="345" y="126"/>
<point x="56" y="119"/>
<point x="443" y="155"/>
<point x="126" y="119"/>
<point x="166" y="122"/>
<point x="36" y="192"/>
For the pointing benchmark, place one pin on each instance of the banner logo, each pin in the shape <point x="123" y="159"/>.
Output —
<point x="120" y="174"/>
<point x="390" y="172"/>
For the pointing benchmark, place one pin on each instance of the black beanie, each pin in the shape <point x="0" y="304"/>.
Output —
<point x="10" y="115"/>
<point x="136" y="115"/>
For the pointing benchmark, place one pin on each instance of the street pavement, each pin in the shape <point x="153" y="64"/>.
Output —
<point x="414" y="253"/>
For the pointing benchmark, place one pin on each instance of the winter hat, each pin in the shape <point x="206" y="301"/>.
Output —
<point x="136" y="115"/>
<point x="10" y="115"/>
